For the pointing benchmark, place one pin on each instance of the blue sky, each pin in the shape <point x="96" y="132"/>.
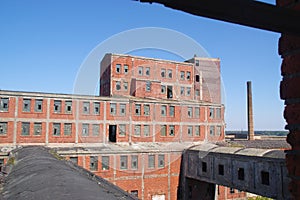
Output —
<point x="44" y="43"/>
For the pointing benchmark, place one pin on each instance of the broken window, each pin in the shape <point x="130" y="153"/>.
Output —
<point x="241" y="174"/>
<point x="197" y="112"/>
<point x="105" y="163"/>
<point x="197" y="92"/>
<point x="140" y="70"/>
<point x="188" y="75"/>
<point x="67" y="129"/>
<point x="134" y="193"/>
<point x="118" y="68"/>
<point x="182" y="75"/>
<point x="134" y="162"/>
<point x="146" y="109"/>
<point x="197" y="130"/>
<point x="125" y="69"/>
<point x="163" y="73"/>
<point x="171" y="111"/>
<point x="197" y="78"/>
<point x="169" y="92"/>
<point x="37" y="128"/>
<point x="118" y="85"/>
<point x="123" y="162"/>
<point x="188" y="91"/>
<point x="221" y="169"/>
<point x="231" y="190"/>
<point x="265" y="179"/>
<point x="163" y="129"/>
<point x="163" y="89"/>
<point x="190" y="112"/>
<point x="86" y="107"/>
<point x="146" y="130"/>
<point x="161" y="161"/>
<point x="122" y="109"/>
<point x="94" y="163"/>
<point x="96" y="130"/>
<point x="147" y="71"/>
<point x="4" y="104"/>
<point x="170" y="73"/>
<point x="212" y="130"/>
<point x="138" y="109"/>
<point x="68" y="107"/>
<point x="148" y="86"/>
<point x="137" y="130"/>
<point x="125" y="85"/>
<point x="218" y="113"/>
<point x="3" y="128"/>
<point x="96" y="108"/>
<point x="122" y="129"/>
<point x="74" y="159"/>
<point x="56" y="129"/>
<point x="57" y="106"/>
<point x="182" y="91"/>
<point x="204" y="167"/>
<point x="190" y="131"/>
<point x="163" y="110"/>
<point x="171" y="130"/>
<point x="85" y="130"/>
<point x="25" y="128"/>
<point x="211" y="113"/>
<point x="113" y="108"/>
<point x="151" y="161"/>
<point x="38" y="107"/>
<point x="26" y="105"/>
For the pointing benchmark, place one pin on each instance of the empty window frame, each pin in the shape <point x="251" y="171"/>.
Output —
<point x="137" y="130"/>
<point x="95" y="130"/>
<point x="113" y="108"/>
<point x="197" y="130"/>
<point x="85" y="130"/>
<point x="197" y="112"/>
<point x="137" y="109"/>
<point x="163" y="110"/>
<point x="56" y="129"/>
<point x="118" y="85"/>
<point x="197" y="62"/>
<point x="126" y="69"/>
<point x="148" y="86"/>
<point x="96" y="108"/>
<point x="118" y="68"/>
<point x="182" y="73"/>
<point x="170" y="74"/>
<point x="212" y="130"/>
<point x="134" y="193"/>
<point x="171" y="111"/>
<point x="38" y="105"/>
<point x="190" y="130"/>
<point x="197" y="77"/>
<point x="221" y="170"/>
<point x="163" y="89"/>
<point x="122" y="109"/>
<point x="122" y="129"/>
<point x="146" y="130"/>
<point x="146" y="109"/>
<point x="123" y="162"/>
<point x="218" y="113"/>
<point x="265" y="178"/>
<point x="182" y="91"/>
<point x="67" y="129"/>
<point x="134" y="162"/>
<point x="171" y="130"/>
<point x="188" y="75"/>
<point x="57" y="106"/>
<point x="161" y="161"/>
<point x="94" y="163"/>
<point x="190" y="112"/>
<point x="188" y="91"/>
<point x="37" y="128"/>
<point x="241" y="174"/>
<point x="231" y="190"/>
<point x="147" y="72"/>
<point x="68" y="107"/>
<point x="151" y="161"/>
<point x="211" y="113"/>
<point x="86" y="107"/>
<point x="163" y="72"/>
<point x="204" y="166"/>
<point x="3" y="128"/>
<point x="25" y="128"/>
<point x="163" y="130"/>
<point x="140" y="70"/>
<point x="26" y="105"/>
<point x="169" y="92"/>
<point x="74" y="159"/>
<point x="4" y="102"/>
<point x="105" y="162"/>
<point x="125" y="85"/>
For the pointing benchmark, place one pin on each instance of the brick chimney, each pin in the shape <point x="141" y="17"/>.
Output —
<point x="250" y="111"/>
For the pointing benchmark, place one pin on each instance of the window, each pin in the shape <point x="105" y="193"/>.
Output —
<point x="197" y="130"/>
<point x="4" y="104"/>
<point x="163" y="129"/>
<point x="197" y="112"/>
<point x="190" y="112"/>
<point x="113" y="108"/>
<point x="67" y="129"/>
<point x="134" y="162"/>
<point x="146" y="130"/>
<point x="118" y="68"/>
<point x="74" y="160"/>
<point x="38" y="107"/>
<point x="197" y="92"/>
<point x="68" y="106"/>
<point x="197" y="78"/>
<point x="163" y="89"/>
<point x="169" y="92"/>
<point x="146" y="109"/>
<point x="231" y="190"/>
<point x="163" y="110"/>
<point x="163" y="73"/>
<point x="137" y="130"/>
<point x="137" y="109"/>
<point x="148" y="86"/>
<point x="123" y="162"/>
<point x="218" y="130"/>
<point x="3" y="128"/>
<point x="140" y="70"/>
<point x="37" y="128"/>
<point x="182" y="91"/>
<point x="105" y="162"/>
<point x="147" y="71"/>
<point x="188" y="75"/>
<point x="95" y="129"/>
<point x="57" y="106"/>
<point x="125" y="85"/>
<point x="188" y="91"/>
<point x="56" y="129"/>
<point x="86" y="107"/>
<point x="122" y="109"/>
<point x="118" y="85"/>
<point x="26" y="105"/>
<point x="134" y="193"/>
<point x="161" y="161"/>
<point x="94" y="163"/>
<point x="96" y="108"/>
<point x="204" y="167"/>
<point x="241" y="174"/>
<point x="182" y="75"/>
<point x="125" y="69"/>
<point x="218" y="113"/>
<point x="212" y="130"/>
<point x="171" y="130"/>
<point x="25" y="128"/>
<point x="85" y="130"/>
<point x="151" y="161"/>
<point x="171" y="111"/>
<point x="122" y="129"/>
<point x="197" y="62"/>
<point x="265" y="180"/>
<point x="221" y="169"/>
<point x="190" y="131"/>
<point x="211" y="113"/>
<point x="169" y="73"/>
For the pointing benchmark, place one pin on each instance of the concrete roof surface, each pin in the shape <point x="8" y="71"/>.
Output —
<point x="36" y="174"/>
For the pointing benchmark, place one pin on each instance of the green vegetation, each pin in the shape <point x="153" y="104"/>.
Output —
<point x="11" y="161"/>
<point x="56" y="155"/>
<point x="259" y="198"/>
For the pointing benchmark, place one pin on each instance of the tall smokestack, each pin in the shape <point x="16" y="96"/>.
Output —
<point x="250" y="112"/>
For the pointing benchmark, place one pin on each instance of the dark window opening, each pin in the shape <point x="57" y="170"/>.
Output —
<point x="197" y="78"/>
<point x="112" y="133"/>
<point x="265" y="178"/>
<point x="134" y="193"/>
<point x="231" y="190"/>
<point x="169" y="92"/>
<point x="204" y="167"/>
<point x="221" y="170"/>
<point x="241" y="174"/>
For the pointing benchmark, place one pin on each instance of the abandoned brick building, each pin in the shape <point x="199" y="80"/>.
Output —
<point x="132" y="134"/>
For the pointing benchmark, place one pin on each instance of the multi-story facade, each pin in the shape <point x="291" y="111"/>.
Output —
<point x="133" y="134"/>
